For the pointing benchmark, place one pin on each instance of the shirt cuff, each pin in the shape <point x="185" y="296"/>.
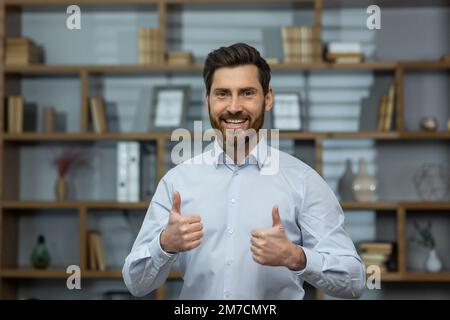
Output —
<point x="161" y="256"/>
<point x="314" y="262"/>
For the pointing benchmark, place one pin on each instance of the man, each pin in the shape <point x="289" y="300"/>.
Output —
<point x="240" y="234"/>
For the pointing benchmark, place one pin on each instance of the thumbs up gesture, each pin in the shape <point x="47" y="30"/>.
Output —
<point x="183" y="232"/>
<point x="272" y="247"/>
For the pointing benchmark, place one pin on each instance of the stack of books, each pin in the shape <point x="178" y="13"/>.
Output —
<point x="150" y="46"/>
<point x="345" y="52"/>
<point x="376" y="253"/>
<point x="98" y="115"/>
<point x="21" y="51"/>
<point x="96" y="254"/>
<point x="15" y="114"/>
<point x="180" y="58"/>
<point x="386" y="110"/>
<point x="301" y="44"/>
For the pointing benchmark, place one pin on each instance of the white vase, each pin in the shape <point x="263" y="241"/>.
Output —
<point x="433" y="263"/>
<point x="363" y="186"/>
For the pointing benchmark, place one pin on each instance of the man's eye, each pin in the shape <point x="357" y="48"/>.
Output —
<point x="221" y="94"/>
<point x="248" y="93"/>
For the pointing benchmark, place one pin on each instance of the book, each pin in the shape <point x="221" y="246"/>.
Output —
<point x="92" y="261"/>
<point x="344" y="47"/>
<point x="11" y="114"/>
<point x="99" y="254"/>
<point x="382" y="113"/>
<point x="48" y="119"/>
<point x="376" y="247"/>
<point x="128" y="171"/>
<point x="389" y="109"/>
<point x="98" y="115"/>
<point x="180" y="58"/>
<point x="20" y="51"/>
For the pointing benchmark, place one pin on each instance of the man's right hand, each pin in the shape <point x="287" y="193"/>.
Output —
<point x="182" y="233"/>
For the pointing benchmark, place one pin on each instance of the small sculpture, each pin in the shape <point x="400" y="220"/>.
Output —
<point x="429" y="124"/>
<point x="40" y="257"/>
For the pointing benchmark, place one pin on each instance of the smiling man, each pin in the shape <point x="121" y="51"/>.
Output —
<point x="238" y="233"/>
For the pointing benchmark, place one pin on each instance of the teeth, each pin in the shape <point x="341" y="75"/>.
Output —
<point x="235" y="121"/>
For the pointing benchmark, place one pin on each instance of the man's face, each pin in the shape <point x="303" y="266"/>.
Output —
<point x="236" y="102"/>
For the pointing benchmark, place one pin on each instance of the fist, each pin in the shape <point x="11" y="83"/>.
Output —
<point x="272" y="247"/>
<point x="183" y="232"/>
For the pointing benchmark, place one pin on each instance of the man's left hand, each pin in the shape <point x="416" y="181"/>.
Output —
<point x="272" y="247"/>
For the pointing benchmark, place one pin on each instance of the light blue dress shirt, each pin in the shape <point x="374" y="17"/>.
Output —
<point x="232" y="200"/>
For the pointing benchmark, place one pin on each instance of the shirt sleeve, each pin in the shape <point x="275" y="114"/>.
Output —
<point x="147" y="266"/>
<point x="332" y="263"/>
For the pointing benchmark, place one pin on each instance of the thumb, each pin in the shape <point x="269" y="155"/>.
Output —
<point x="176" y="202"/>
<point x="276" y="220"/>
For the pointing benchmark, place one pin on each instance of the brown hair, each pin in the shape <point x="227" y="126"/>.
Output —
<point x="236" y="55"/>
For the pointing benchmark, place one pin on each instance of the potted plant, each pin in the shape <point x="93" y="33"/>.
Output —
<point x="426" y="239"/>
<point x="64" y="161"/>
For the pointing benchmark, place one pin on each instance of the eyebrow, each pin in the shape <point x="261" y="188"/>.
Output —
<point x="240" y="89"/>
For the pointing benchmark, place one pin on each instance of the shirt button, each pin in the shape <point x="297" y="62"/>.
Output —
<point x="230" y="231"/>
<point x="233" y="200"/>
<point x="227" y="294"/>
<point x="229" y="263"/>
<point x="236" y="173"/>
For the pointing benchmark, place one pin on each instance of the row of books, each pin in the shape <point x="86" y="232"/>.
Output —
<point x="301" y="44"/>
<point x="386" y="110"/>
<point x="21" y="51"/>
<point x="376" y="253"/>
<point x="151" y="50"/>
<point x="96" y="253"/>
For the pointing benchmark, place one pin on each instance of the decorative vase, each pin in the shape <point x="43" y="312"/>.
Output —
<point x="345" y="182"/>
<point x="61" y="188"/>
<point x="40" y="257"/>
<point x="363" y="186"/>
<point x="433" y="263"/>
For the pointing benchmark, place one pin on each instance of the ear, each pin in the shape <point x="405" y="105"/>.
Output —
<point x="268" y="100"/>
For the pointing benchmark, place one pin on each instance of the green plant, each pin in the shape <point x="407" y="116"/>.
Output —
<point x="425" y="237"/>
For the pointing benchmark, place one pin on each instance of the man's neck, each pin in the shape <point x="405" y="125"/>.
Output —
<point x="239" y="150"/>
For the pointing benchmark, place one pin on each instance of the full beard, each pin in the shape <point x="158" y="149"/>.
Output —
<point x="237" y="130"/>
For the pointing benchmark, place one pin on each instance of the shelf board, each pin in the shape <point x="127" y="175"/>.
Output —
<point x="33" y="274"/>
<point x="347" y="205"/>
<point x="27" y="204"/>
<point x="37" y="136"/>
<point x="326" y="4"/>
<point x="416" y="277"/>
<point x="425" y="65"/>
<point x="194" y="68"/>
<point x="47" y="2"/>
<point x="143" y="205"/>
<point x="424" y="135"/>
<point x="61" y="274"/>
<point x="153" y="136"/>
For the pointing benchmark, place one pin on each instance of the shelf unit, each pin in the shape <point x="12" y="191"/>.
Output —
<point x="10" y="144"/>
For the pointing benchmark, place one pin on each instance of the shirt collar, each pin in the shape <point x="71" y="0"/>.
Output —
<point x="257" y="156"/>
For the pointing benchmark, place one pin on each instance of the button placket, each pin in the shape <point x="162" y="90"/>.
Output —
<point x="232" y="212"/>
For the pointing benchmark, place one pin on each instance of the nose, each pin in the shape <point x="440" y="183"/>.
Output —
<point x="235" y="105"/>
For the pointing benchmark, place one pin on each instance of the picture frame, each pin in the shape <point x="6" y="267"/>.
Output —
<point x="287" y="113"/>
<point x="169" y="107"/>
